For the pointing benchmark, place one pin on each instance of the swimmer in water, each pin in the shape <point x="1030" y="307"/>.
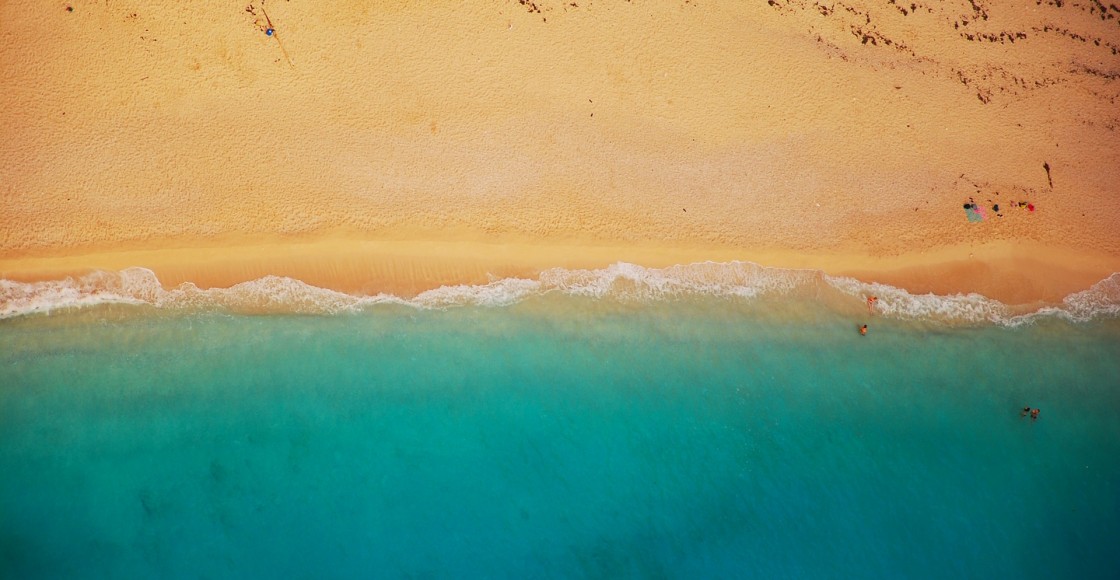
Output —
<point x="1026" y="411"/>
<point x="863" y="330"/>
<point x="1034" y="414"/>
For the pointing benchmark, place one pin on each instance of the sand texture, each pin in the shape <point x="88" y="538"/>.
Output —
<point x="731" y="129"/>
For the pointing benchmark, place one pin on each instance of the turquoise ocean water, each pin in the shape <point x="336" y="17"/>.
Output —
<point x="694" y="435"/>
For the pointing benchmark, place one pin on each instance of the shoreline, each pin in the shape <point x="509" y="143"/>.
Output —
<point x="1015" y="273"/>
<point x="400" y="150"/>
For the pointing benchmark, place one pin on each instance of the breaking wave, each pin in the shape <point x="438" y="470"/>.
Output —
<point x="621" y="281"/>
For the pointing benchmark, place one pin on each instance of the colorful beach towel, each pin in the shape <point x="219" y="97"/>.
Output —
<point x="975" y="213"/>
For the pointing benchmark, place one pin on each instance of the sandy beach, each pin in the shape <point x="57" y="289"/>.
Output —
<point x="391" y="147"/>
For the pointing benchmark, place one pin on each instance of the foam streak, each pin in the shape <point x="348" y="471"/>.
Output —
<point x="620" y="281"/>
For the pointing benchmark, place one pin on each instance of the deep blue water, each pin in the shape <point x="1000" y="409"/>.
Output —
<point x="560" y="437"/>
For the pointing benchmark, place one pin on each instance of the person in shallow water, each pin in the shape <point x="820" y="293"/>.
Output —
<point x="871" y="304"/>
<point x="863" y="330"/>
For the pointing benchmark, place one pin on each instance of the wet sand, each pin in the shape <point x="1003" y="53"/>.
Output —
<point x="1012" y="273"/>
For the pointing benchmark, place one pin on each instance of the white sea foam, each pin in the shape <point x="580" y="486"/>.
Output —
<point x="621" y="281"/>
<point x="898" y="303"/>
<point x="501" y="292"/>
<point x="1101" y="299"/>
<point x="628" y="281"/>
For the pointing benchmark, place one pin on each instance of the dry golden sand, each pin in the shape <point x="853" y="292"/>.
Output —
<point x="400" y="146"/>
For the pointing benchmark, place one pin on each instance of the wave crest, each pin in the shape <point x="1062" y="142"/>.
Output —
<point x="620" y="281"/>
<point x="1100" y="300"/>
<point x="623" y="280"/>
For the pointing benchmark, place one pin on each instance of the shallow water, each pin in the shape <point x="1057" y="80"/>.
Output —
<point x="557" y="437"/>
